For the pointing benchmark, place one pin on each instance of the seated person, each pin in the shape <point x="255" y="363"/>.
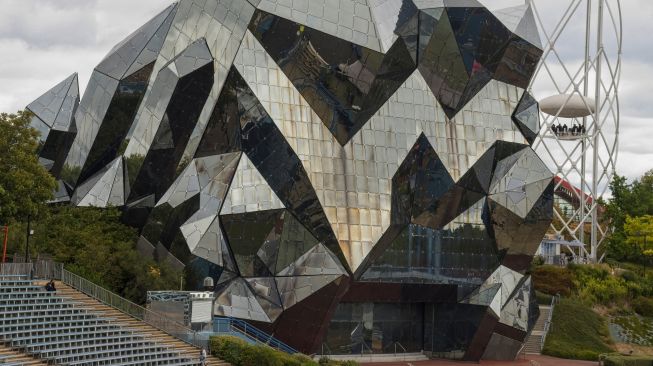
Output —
<point x="50" y="286"/>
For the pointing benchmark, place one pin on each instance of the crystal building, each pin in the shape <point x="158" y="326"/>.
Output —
<point x="351" y="173"/>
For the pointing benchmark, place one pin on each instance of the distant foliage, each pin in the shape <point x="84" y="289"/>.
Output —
<point x="553" y="280"/>
<point x="595" y="284"/>
<point x="600" y="284"/>
<point x="24" y="184"/>
<point x="643" y="306"/>
<point x="627" y="211"/>
<point x="94" y="244"/>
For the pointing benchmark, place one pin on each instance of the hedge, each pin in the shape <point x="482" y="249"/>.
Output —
<point x="240" y="353"/>
<point x="621" y="360"/>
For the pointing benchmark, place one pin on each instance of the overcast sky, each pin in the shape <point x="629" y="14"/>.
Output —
<point x="44" y="41"/>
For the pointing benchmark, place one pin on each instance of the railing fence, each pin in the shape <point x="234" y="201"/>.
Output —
<point x="253" y="333"/>
<point x="159" y="321"/>
<point x="16" y="269"/>
<point x="547" y="323"/>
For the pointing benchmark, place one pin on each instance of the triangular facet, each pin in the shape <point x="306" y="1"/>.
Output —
<point x="295" y="289"/>
<point x="419" y="184"/>
<point x="442" y="65"/>
<point x="318" y="261"/>
<point x="237" y="300"/>
<point x="247" y="233"/>
<point x="512" y="16"/>
<point x="267" y="295"/>
<point x="527" y="117"/>
<point x="527" y="29"/>
<point x="249" y="191"/>
<point x="139" y="48"/>
<point x="57" y="106"/>
<point x="105" y="189"/>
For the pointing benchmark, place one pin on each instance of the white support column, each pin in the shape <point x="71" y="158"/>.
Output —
<point x="586" y="161"/>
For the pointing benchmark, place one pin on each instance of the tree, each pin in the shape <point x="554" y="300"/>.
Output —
<point x="94" y="244"/>
<point x="25" y="185"/>
<point x="629" y="202"/>
<point x="639" y="233"/>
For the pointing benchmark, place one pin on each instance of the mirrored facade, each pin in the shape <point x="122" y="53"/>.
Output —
<point x="351" y="173"/>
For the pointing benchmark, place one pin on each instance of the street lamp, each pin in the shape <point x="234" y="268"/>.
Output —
<point x="30" y="232"/>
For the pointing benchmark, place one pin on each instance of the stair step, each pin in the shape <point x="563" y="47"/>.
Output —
<point x="123" y="321"/>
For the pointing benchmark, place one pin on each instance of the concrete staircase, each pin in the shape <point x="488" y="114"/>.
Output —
<point x="533" y="344"/>
<point x="127" y="321"/>
<point x="15" y="358"/>
<point x="67" y="327"/>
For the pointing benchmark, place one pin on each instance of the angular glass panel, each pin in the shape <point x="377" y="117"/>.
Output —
<point x="158" y="169"/>
<point x="527" y="117"/>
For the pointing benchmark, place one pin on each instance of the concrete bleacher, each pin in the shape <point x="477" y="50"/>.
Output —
<point x="66" y="327"/>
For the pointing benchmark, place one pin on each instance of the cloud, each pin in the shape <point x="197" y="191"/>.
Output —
<point x="44" y="41"/>
<point x="49" y="23"/>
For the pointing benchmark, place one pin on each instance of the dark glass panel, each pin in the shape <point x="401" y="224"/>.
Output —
<point x="159" y="167"/>
<point x="441" y="63"/>
<point x="419" y="184"/>
<point x="465" y="255"/>
<point x="344" y="83"/>
<point x="518" y="63"/>
<point x="527" y="117"/>
<point x="247" y="233"/>
<point x="110" y="139"/>
<point x="56" y="148"/>
<point x="450" y="328"/>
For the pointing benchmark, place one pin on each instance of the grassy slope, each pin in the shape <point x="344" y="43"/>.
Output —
<point x="577" y="332"/>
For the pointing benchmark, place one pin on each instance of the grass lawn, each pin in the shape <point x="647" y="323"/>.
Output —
<point x="577" y="332"/>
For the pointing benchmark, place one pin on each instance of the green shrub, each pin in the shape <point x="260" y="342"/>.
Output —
<point x="538" y="260"/>
<point x="260" y="356"/>
<point x="605" y="291"/>
<point x="240" y="353"/>
<point x="643" y="306"/>
<point x="621" y="360"/>
<point x="553" y="280"/>
<point x="228" y="348"/>
<point x="629" y="276"/>
<point x="596" y="284"/>
<point x="326" y="361"/>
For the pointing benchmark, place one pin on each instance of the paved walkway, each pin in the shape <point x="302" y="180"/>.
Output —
<point x="538" y="360"/>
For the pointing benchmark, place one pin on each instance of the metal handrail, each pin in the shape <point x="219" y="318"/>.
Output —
<point x="257" y="335"/>
<point x="366" y="346"/>
<point x="157" y="320"/>
<point x="547" y="323"/>
<point x="402" y="347"/>
<point x="327" y="348"/>
<point x="14" y="269"/>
